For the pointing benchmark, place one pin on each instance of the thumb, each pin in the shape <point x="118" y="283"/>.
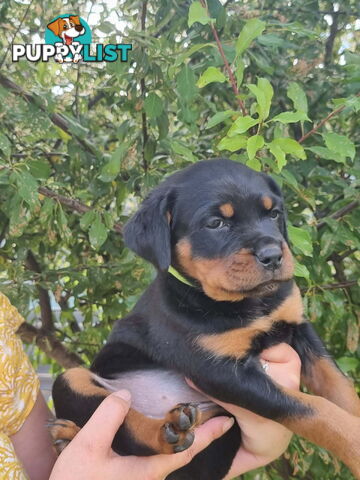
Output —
<point x="106" y="420"/>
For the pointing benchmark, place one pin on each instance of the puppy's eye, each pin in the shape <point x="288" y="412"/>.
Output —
<point x="65" y="27"/>
<point x="72" y="25"/>
<point x="274" y="213"/>
<point x="216" y="223"/>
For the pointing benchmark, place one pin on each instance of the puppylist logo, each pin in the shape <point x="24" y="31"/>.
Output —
<point x="68" y="39"/>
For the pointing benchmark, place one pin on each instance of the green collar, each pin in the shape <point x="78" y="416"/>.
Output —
<point x="178" y="275"/>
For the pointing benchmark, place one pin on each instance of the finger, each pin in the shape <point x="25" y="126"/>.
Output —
<point x="100" y="430"/>
<point x="162" y="465"/>
<point x="281" y="353"/>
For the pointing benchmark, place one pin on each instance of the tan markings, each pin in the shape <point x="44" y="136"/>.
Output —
<point x="150" y="431"/>
<point x="168" y="217"/>
<point x="236" y="343"/>
<point x="232" y="278"/>
<point x="62" y="432"/>
<point x="329" y="426"/>
<point x="81" y="380"/>
<point x="324" y="379"/>
<point x="267" y="202"/>
<point x="227" y="210"/>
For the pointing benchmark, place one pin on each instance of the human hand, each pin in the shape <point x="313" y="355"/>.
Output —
<point x="264" y="440"/>
<point x="89" y="455"/>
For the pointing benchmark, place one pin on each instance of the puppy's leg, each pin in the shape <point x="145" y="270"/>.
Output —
<point x="320" y="373"/>
<point x="77" y="394"/>
<point x="245" y="383"/>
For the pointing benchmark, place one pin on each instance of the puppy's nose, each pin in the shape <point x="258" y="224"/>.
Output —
<point x="78" y="28"/>
<point x="270" y="257"/>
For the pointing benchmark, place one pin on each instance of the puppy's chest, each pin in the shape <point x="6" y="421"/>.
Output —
<point x="261" y="332"/>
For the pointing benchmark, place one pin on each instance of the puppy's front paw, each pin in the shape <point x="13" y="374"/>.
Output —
<point x="62" y="432"/>
<point x="177" y="432"/>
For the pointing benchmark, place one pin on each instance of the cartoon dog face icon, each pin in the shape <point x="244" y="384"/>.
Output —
<point x="68" y="29"/>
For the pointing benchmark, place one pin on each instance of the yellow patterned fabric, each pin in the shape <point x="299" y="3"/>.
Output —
<point x="19" y="387"/>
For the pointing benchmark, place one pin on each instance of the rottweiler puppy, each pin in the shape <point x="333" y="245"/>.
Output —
<point x="216" y="232"/>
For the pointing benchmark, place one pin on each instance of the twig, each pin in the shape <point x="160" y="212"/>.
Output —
<point x="340" y="213"/>
<point x="332" y="286"/>
<point x="320" y="124"/>
<point x="226" y="63"/>
<point x="17" y="31"/>
<point x="331" y="39"/>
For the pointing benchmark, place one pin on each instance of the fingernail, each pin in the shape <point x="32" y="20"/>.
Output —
<point x="228" y="424"/>
<point x="124" y="394"/>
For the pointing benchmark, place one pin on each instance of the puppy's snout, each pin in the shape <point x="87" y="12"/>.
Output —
<point x="78" y="28"/>
<point x="270" y="257"/>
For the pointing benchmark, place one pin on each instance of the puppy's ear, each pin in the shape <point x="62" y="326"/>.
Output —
<point x="55" y="26"/>
<point x="147" y="233"/>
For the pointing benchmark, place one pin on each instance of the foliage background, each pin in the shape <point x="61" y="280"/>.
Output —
<point x="80" y="146"/>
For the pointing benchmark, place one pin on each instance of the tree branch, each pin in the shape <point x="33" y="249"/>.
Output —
<point x="44" y="299"/>
<point x="329" y="46"/>
<point x="49" y="344"/>
<point x="226" y="63"/>
<point x="57" y="119"/>
<point x="73" y="204"/>
<point x="340" y="213"/>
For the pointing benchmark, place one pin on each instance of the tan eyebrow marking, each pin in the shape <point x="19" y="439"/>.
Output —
<point x="267" y="202"/>
<point x="227" y="210"/>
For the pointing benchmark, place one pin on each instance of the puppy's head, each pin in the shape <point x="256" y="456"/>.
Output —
<point x="221" y="224"/>
<point x="67" y="28"/>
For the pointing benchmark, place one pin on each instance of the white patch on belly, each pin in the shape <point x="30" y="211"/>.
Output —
<point x="154" y="392"/>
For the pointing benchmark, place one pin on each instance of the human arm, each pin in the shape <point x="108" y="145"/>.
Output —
<point x="33" y="444"/>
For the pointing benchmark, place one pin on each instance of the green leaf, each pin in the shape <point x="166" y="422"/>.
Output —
<point x="197" y="13"/>
<point x="186" y="83"/>
<point x="183" y="151"/>
<point x="327" y="154"/>
<point x="253" y="145"/>
<point x="97" y="233"/>
<point x="301" y="271"/>
<point x="263" y="92"/>
<point x="195" y="48"/>
<point x="252" y="29"/>
<point x="301" y="239"/>
<point x="239" y="72"/>
<point x="153" y="105"/>
<point x="255" y="164"/>
<point x="112" y="168"/>
<point x="5" y="145"/>
<point x="279" y="154"/>
<point x="220" y="117"/>
<point x="291" y="146"/>
<point x="348" y="364"/>
<point x="298" y="97"/>
<point x="27" y="188"/>
<point x="232" y="144"/>
<point x="339" y="144"/>
<point x="210" y="75"/>
<point x="87" y="219"/>
<point x="39" y="168"/>
<point x="241" y="125"/>
<point x="290" y="117"/>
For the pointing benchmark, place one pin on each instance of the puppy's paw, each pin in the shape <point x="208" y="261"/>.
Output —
<point x="177" y="431"/>
<point x="62" y="432"/>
